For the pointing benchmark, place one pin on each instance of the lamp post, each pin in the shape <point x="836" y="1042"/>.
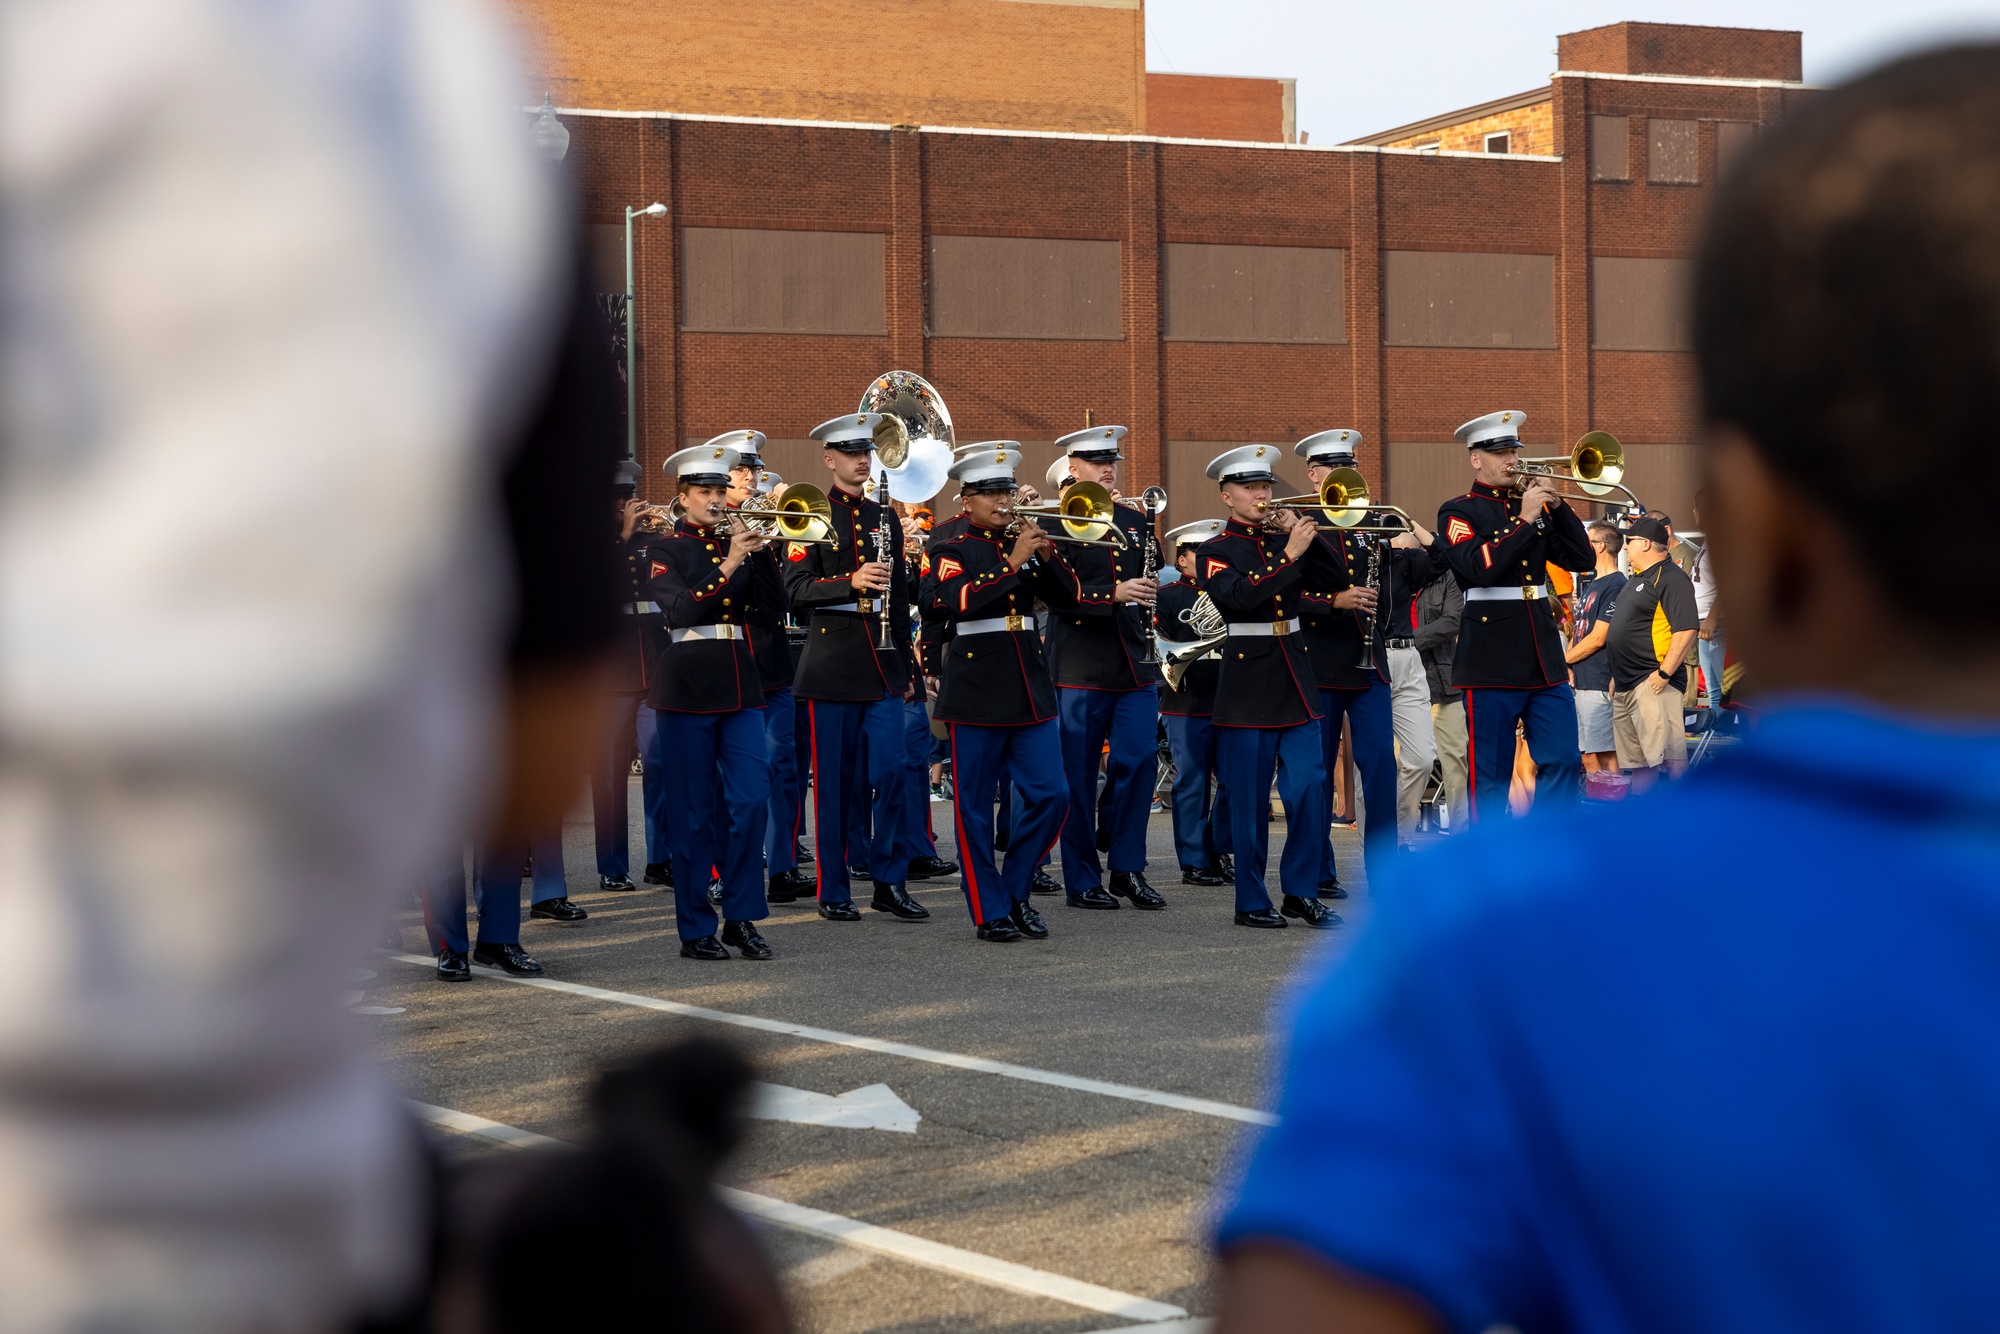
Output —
<point x="631" y="341"/>
<point x="551" y="135"/>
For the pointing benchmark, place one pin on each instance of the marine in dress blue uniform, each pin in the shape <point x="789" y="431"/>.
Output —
<point x="854" y="692"/>
<point x="1510" y="660"/>
<point x="1107" y="693"/>
<point x="1267" y="711"/>
<point x="1201" y="823"/>
<point x="995" y="694"/>
<point x="711" y="703"/>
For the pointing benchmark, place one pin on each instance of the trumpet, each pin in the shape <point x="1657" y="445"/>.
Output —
<point x="1594" y="466"/>
<point x="1343" y="499"/>
<point x="802" y="515"/>
<point x="657" y="518"/>
<point x="1086" y="511"/>
<point x="1177" y="655"/>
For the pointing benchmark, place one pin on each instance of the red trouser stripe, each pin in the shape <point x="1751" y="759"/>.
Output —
<point x="1471" y="761"/>
<point x="965" y="857"/>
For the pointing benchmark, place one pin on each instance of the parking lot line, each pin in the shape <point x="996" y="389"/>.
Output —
<point x="905" y="1246"/>
<point x="979" y="1064"/>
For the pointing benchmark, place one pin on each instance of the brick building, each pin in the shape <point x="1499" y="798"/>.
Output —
<point x="1203" y="292"/>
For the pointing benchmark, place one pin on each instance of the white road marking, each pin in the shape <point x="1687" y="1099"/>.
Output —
<point x="874" y="1107"/>
<point x="866" y="1236"/>
<point x="836" y="1263"/>
<point x="1228" y="1111"/>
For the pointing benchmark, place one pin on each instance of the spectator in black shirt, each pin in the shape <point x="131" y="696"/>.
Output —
<point x="1652" y="632"/>
<point x="1589" y="664"/>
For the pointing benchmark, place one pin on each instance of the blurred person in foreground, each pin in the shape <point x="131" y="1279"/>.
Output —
<point x="285" y="291"/>
<point x="1547" y="1100"/>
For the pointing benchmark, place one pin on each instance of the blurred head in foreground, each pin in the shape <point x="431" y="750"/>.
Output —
<point x="1539" y="1097"/>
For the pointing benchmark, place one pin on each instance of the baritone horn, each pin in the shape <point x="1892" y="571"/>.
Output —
<point x="1595" y="466"/>
<point x="1087" y="514"/>
<point x="1344" y="501"/>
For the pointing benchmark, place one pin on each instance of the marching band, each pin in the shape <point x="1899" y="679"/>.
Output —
<point x="788" y="640"/>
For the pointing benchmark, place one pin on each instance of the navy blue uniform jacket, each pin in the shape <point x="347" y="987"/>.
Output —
<point x="1487" y="544"/>
<point x="1266" y="680"/>
<point x="840" y="661"/>
<point x="994" y="678"/>
<point x="1098" y="643"/>
<point x="707" y="675"/>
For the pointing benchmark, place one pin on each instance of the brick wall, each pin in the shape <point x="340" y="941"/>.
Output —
<point x="1144" y="194"/>
<point x="1681" y="48"/>
<point x="1206" y="106"/>
<point x="1531" y="129"/>
<point x="1049" y="65"/>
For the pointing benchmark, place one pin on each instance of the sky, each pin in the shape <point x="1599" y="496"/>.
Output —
<point x="1364" y="68"/>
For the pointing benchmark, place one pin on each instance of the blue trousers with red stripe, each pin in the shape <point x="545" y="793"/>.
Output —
<point x="1031" y="757"/>
<point x="839" y="730"/>
<point x="1374" y="765"/>
<point x="781" y="746"/>
<point x="1129" y="721"/>
<point x="1548" y="721"/>
<point x="1201" y="827"/>
<point x="719" y="781"/>
<point x="1245" y="758"/>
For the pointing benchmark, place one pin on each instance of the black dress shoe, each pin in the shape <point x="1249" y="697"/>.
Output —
<point x="557" y="910"/>
<point x="615" y="884"/>
<point x="1132" y="885"/>
<point x="708" y="947"/>
<point x="789" y="887"/>
<point x="660" y="873"/>
<point x="1312" y="912"/>
<point x="896" y="901"/>
<point x="1043" y="883"/>
<point x="800" y="852"/>
<point x="1331" y="889"/>
<point x="1094" y="897"/>
<point x="859" y="873"/>
<point x="1001" y="930"/>
<point x="453" y="967"/>
<point x="843" y="911"/>
<point x="929" y="866"/>
<point x="747" y="939"/>
<point x="715" y="891"/>
<point x="1264" y="917"/>
<point x="1199" y="875"/>
<point x="1029" y="921"/>
<point x="1225" y="866"/>
<point x="509" y="958"/>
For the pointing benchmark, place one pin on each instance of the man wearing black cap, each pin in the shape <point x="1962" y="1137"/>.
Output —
<point x="1108" y="693"/>
<point x="1652" y="634"/>
<point x="1510" y="664"/>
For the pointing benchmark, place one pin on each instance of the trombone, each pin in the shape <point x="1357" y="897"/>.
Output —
<point x="802" y="514"/>
<point x="1593" y="465"/>
<point x="1086" y="513"/>
<point x="1343" y="499"/>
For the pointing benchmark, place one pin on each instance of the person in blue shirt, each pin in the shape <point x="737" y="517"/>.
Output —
<point x="1559" y="1101"/>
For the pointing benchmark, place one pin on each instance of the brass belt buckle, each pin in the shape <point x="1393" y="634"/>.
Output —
<point x="864" y="605"/>
<point x="1528" y="593"/>
<point x="1015" y="621"/>
<point x="1281" y="627"/>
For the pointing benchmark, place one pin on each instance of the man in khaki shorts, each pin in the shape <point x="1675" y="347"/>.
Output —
<point x="1652" y="633"/>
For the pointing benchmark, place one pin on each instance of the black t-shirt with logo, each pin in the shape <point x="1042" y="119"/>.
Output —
<point x="1652" y="608"/>
<point x="1599" y="600"/>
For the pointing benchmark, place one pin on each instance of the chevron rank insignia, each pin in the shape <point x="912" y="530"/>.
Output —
<point x="658" y="569"/>
<point x="948" y="568"/>
<point x="795" y="551"/>
<point x="1209" y="570"/>
<point x="1457" y="530"/>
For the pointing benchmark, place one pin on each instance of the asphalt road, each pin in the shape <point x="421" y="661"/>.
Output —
<point x="1069" y="1181"/>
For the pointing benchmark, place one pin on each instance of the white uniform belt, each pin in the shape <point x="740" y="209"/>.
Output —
<point x="642" y="608"/>
<point x="1290" y="627"/>
<point x="989" y="624"/>
<point x="682" y="636"/>
<point x="865" y="605"/>
<point x="1531" y="593"/>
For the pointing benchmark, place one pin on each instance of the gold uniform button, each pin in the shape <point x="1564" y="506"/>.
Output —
<point x="1239" y="656"/>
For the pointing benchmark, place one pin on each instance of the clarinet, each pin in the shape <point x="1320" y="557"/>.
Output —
<point x="1150" y="570"/>
<point x="1373" y="582"/>
<point x="882" y="538"/>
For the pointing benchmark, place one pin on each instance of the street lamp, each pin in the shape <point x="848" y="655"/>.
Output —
<point x="551" y="135"/>
<point x="631" y="341"/>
